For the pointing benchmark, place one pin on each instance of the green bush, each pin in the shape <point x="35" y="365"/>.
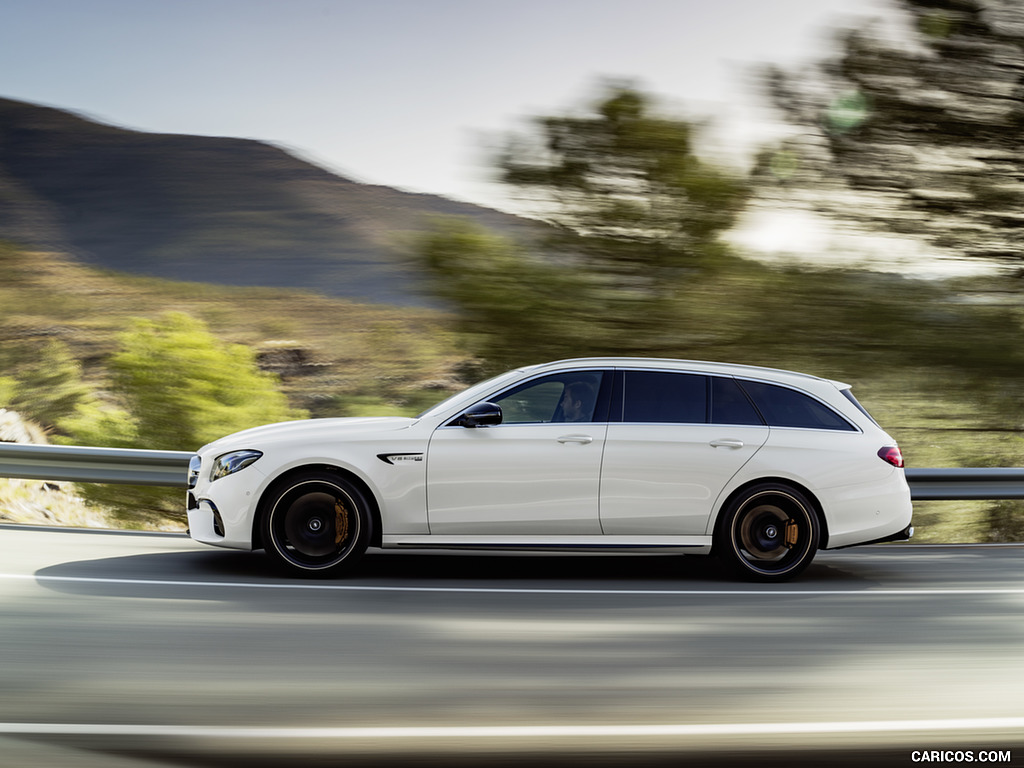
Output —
<point x="177" y="387"/>
<point x="42" y="382"/>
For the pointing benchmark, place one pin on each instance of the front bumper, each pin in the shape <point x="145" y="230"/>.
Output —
<point x="221" y="513"/>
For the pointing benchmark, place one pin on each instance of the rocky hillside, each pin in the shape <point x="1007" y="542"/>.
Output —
<point x="215" y="210"/>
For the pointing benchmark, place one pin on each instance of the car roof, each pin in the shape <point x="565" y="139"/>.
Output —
<point x="695" y="366"/>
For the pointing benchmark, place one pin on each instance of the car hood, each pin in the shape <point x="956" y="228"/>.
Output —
<point x="310" y="430"/>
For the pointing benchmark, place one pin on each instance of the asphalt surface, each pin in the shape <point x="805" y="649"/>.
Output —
<point x="128" y="650"/>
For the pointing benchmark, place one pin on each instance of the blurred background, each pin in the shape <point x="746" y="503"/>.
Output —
<point x="221" y="214"/>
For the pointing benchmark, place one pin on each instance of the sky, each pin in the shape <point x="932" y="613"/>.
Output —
<point x="405" y="93"/>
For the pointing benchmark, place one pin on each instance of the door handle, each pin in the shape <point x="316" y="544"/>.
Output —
<point x="582" y="439"/>
<point x="727" y="442"/>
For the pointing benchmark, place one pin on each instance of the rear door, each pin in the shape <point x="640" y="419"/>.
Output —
<point x="679" y="439"/>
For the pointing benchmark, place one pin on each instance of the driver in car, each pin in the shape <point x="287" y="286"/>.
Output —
<point x="578" y="401"/>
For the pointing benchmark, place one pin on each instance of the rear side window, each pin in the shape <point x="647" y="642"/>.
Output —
<point x="664" y="398"/>
<point x="729" y="405"/>
<point x="783" y="407"/>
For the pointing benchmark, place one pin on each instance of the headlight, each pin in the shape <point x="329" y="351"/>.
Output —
<point x="230" y="463"/>
<point x="194" y="465"/>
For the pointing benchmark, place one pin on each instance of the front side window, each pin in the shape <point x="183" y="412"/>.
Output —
<point x="661" y="397"/>
<point x="571" y="396"/>
<point x="783" y="407"/>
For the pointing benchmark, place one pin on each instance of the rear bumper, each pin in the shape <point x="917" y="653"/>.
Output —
<point x="905" y="535"/>
<point x="868" y="513"/>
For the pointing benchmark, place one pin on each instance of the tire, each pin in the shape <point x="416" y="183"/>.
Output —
<point x="769" y="533"/>
<point x="315" y="524"/>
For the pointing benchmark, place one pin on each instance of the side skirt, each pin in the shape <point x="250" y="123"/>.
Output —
<point x="691" y="545"/>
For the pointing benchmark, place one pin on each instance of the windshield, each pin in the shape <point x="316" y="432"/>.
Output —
<point x="472" y="393"/>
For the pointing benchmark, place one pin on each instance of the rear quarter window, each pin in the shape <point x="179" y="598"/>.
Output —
<point x="784" y="407"/>
<point x="849" y="396"/>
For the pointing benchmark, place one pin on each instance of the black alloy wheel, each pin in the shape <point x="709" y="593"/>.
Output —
<point x="770" y="532"/>
<point x="316" y="524"/>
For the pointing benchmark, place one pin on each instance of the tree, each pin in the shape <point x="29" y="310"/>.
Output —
<point x="512" y="305"/>
<point x="923" y="138"/>
<point x="634" y="221"/>
<point x="178" y="387"/>
<point x="625" y="191"/>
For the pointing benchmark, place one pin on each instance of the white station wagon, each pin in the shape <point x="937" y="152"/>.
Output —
<point x="762" y="467"/>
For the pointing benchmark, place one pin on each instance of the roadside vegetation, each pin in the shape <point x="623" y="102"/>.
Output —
<point x="98" y="358"/>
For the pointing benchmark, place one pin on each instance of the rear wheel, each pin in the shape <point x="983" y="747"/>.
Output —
<point x="316" y="524"/>
<point x="769" y="533"/>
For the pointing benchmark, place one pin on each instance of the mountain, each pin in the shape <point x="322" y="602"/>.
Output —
<point x="216" y="210"/>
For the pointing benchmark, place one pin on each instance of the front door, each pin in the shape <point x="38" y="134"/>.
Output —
<point x="538" y="473"/>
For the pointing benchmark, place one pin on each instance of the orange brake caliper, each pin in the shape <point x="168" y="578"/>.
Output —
<point x="340" y="522"/>
<point x="792" y="533"/>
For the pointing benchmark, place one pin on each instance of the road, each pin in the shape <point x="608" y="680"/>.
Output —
<point x="145" y="649"/>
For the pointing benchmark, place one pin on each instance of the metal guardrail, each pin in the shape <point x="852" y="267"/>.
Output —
<point x="169" y="468"/>
<point x="125" y="466"/>
<point x="966" y="484"/>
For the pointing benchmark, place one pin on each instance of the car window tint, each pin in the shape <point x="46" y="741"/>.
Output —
<point x="729" y="405"/>
<point x="662" y="397"/>
<point x="562" y="397"/>
<point x="783" y="407"/>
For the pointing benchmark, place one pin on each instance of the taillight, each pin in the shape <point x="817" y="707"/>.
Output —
<point x="892" y="455"/>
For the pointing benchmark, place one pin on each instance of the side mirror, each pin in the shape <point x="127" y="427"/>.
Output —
<point x="480" y="415"/>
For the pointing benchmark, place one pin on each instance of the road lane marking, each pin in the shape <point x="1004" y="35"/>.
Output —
<point x="382" y="733"/>
<point x="42" y="578"/>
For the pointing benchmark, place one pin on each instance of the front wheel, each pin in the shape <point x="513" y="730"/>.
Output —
<point x="316" y="524"/>
<point x="769" y="533"/>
